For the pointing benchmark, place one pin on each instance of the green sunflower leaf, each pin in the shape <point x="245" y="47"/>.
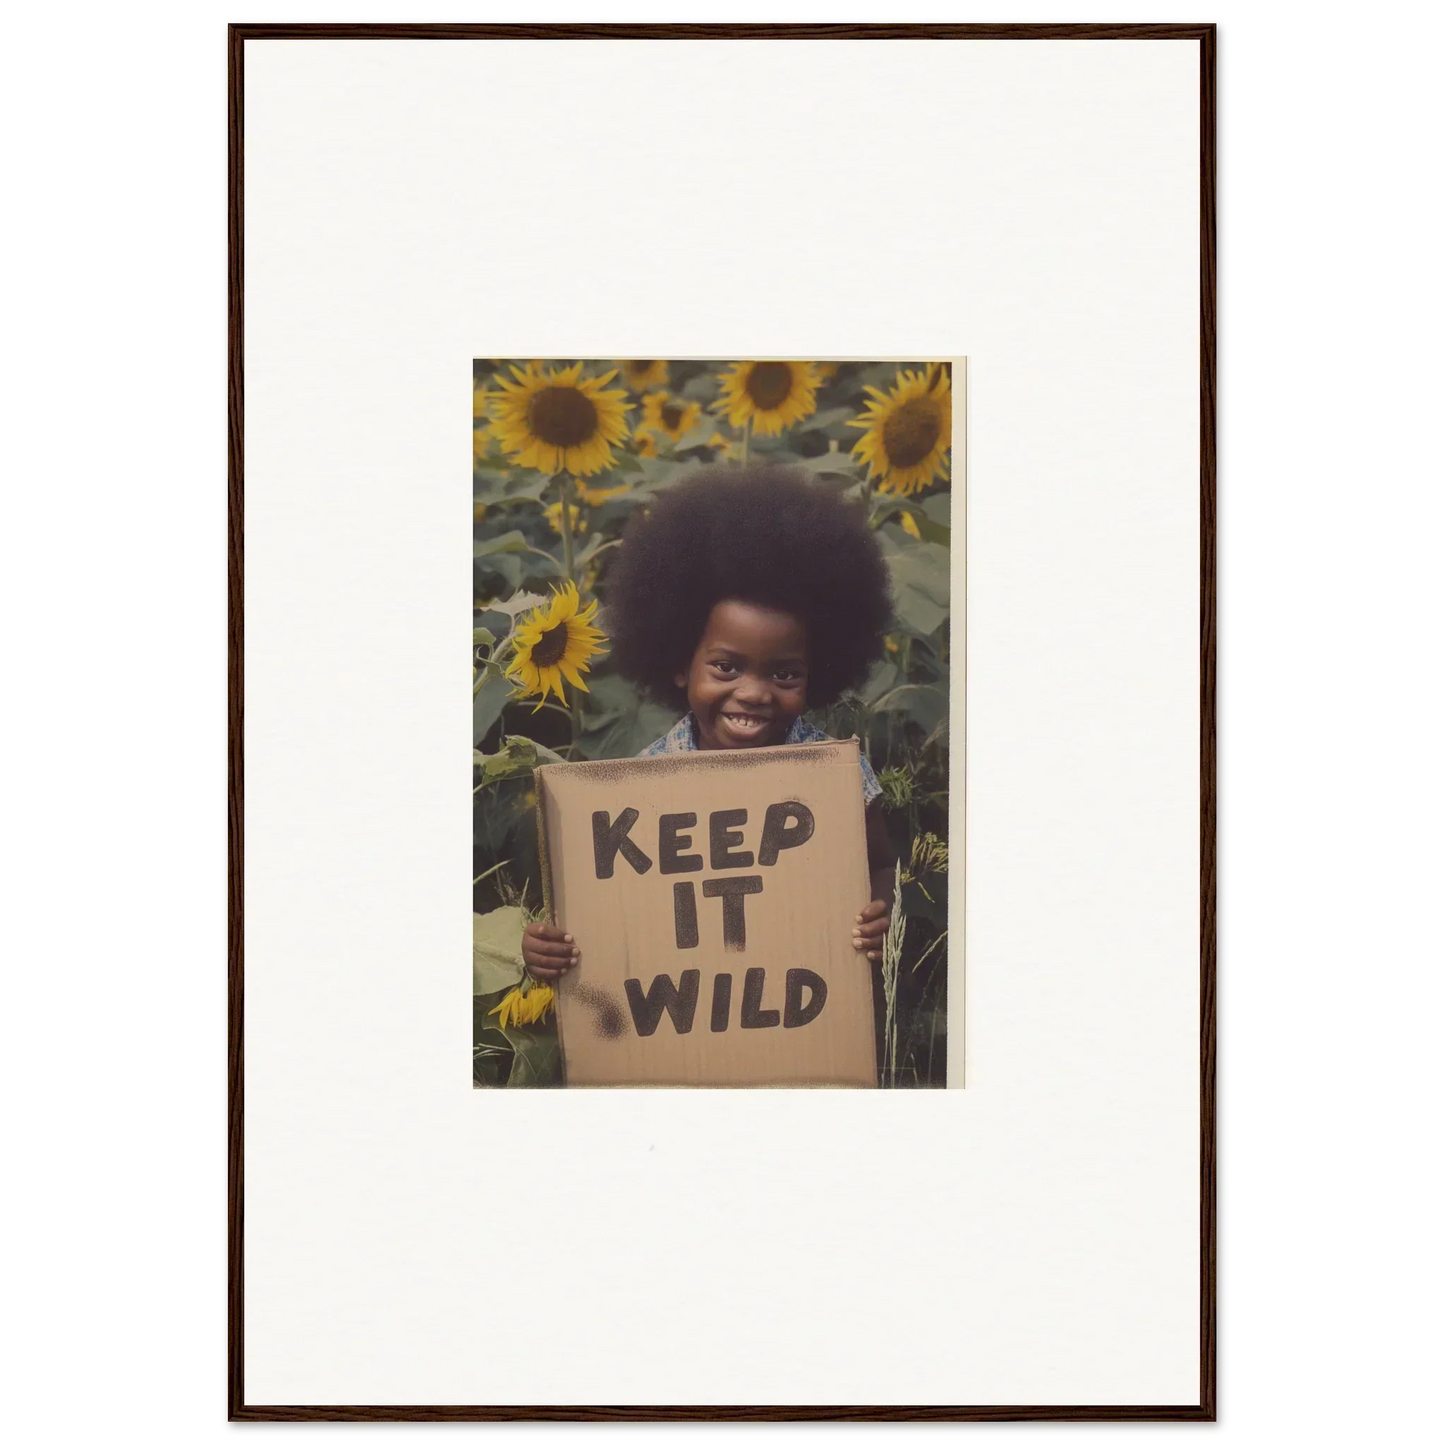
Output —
<point x="930" y="530"/>
<point x="610" y="696"/>
<point x="703" y="387"/>
<point x="512" y="541"/>
<point x="932" y="527"/>
<point x="517" y="756"/>
<point x="537" y="1057"/>
<point x="822" y="420"/>
<point x="498" y="484"/>
<point x="529" y="486"/>
<point x="920" y="573"/>
<point x="539" y="566"/>
<point x="593" y="545"/>
<point x="618" y="723"/>
<point x="924" y="704"/>
<point x="487" y="703"/>
<point x="625" y="736"/>
<point x="497" y="950"/>
<point x="506" y="565"/>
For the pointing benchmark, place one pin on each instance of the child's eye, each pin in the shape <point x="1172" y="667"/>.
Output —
<point x="723" y="665"/>
<point x="787" y="674"/>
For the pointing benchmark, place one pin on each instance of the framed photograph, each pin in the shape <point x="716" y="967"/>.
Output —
<point x="769" y="542"/>
<point x="841" y="516"/>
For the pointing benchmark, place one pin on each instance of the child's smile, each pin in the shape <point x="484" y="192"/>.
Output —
<point x="747" y="684"/>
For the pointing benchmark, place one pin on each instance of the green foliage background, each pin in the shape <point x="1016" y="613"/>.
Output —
<point x="900" y="715"/>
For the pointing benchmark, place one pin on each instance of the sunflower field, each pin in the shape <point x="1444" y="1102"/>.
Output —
<point x="563" y="453"/>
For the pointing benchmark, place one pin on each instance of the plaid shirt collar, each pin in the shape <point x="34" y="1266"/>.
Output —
<point x="682" y="736"/>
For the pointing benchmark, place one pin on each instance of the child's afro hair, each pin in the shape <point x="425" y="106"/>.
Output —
<point x="762" y="534"/>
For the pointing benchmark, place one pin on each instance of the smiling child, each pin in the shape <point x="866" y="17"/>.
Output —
<point x="746" y="596"/>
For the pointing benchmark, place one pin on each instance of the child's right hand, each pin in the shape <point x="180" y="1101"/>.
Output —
<point x="548" y="952"/>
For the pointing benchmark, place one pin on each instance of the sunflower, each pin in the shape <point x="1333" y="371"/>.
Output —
<point x="595" y="496"/>
<point x="553" y="515"/>
<point x="667" y="416"/>
<point x="646" y="443"/>
<point x="558" y="421"/>
<point x="909" y="523"/>
<point x="531" y="1007"/>
<point x="770" y="394"/>
<point x="723" y="445"/>
<point x="642" y="376"/>
<point x="908" y="431"/>
<point x="554" y="643"/>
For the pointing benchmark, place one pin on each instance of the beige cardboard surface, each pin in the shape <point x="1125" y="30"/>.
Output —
<point x="717" y="941"/>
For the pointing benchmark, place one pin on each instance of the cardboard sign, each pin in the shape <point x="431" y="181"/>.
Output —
<point x="712" y="895"/>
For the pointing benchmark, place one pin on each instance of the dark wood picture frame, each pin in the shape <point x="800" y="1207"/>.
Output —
<point x="1205" y="34"/>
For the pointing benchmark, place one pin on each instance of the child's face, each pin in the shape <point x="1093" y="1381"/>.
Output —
<point x="748" y="680"/>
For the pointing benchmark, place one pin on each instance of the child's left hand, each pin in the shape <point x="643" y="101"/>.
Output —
<point x="870" y="928"/>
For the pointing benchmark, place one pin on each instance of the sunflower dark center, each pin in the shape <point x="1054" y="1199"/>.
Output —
<point x="548" y="649"/>
<point x="641" y="368"/>
<point x="911" y="432"/>
<point x="769" y="383"/>
<point x="562" y="416"/>
<point x="671" y="415"/>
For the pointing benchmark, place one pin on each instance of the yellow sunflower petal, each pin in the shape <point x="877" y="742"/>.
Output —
<point x="555" y="644"/>
<point x="769" y="395"/>
<point x="555" y="420"/>
<point x="908" y="432"/>
<point x="507" y="1009"/>
<point x="644" y="376"/>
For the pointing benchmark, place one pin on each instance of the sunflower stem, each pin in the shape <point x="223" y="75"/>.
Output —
<point x="574" y="714"/>
<point x="566" y="529"/>
<point x="747" y="435"/>
<point x="574" y="703"/>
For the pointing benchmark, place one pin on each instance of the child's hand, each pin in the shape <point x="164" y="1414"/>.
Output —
<point x="870" y="928"/>
<point x="548" y="952"/>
